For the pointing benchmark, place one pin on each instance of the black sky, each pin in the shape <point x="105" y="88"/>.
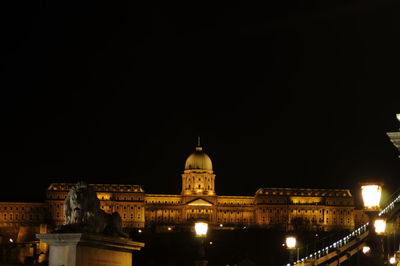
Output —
<point x="289" y="94"/>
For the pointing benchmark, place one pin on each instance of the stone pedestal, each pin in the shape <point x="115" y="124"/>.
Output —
<point x="76" y="249"/>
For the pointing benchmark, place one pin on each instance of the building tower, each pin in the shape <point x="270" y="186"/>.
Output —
<point x="395" y="136"/>
<point x="198" y="178"/>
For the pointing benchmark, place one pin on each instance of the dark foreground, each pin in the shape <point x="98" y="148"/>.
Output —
<point x="243" y="247"/>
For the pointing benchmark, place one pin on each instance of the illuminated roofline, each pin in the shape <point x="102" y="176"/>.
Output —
<point x="68" y="186"/>
<point x="235" y="197"/>
<point x="261" y="191"/>
<point x="163" y="195"/>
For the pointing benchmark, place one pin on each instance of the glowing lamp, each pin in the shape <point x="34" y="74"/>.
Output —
<point x="366" y="249"/>
<point x="398" y="117"/>
<point x="371" y="194"/>
<point x="380" y="226"/>
<point x="392" y="260"/>
<point x="201" y="228"/>
<point x="11" y="240"/>
<point x="290" y="242"/>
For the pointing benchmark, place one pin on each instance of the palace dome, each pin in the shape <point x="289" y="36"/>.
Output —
<point x="198" y="160"/>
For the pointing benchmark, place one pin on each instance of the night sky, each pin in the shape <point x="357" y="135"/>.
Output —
<point x="289" y="94"/>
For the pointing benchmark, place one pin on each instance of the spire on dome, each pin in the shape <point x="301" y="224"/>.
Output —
<point x="198" y="148"/>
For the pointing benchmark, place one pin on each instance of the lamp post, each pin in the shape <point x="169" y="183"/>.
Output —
<point x="201" y="229"/>
<point x="291" y="246"/>
<point x="371" y="195"/>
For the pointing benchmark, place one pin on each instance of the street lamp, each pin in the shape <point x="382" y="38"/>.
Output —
<point x="201" y="229"/>
<point x="291" y="246"/>
<point x="380" y="226"/>
<point x="371" y="195"/>
<point x="290" y="242"/>
<point x="366" y="249"/>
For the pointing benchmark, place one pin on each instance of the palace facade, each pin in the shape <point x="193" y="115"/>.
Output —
<point x="283" y="208"/>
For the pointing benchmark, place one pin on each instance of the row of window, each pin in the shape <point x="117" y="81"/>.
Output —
<point x="163" y="202"/>
<point x="108" y="206"/>
<point x="199" y="178"/>
<point x="17" y="217"/>
<point x="123" y="198"/>
<point x="124" y="216"/>
<point x="169" y="219"/>
<point x="165" y="211"/>
<point x="339" y="212"/>
<point x="125" y="207"/>
<point x="295" y="193"/>
<point x="58" y="196"/>
<point x="313" y="220"/>
<point x="304" y="211"/>
<point x="232" y="203"/>
<point x="198" y="187"/>
<point x="272" y="219"/>
<point x="232" y="220"/>
<point x="23" y="208"/>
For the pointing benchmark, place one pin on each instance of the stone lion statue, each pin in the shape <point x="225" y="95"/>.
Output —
<point x="82" y="214"/>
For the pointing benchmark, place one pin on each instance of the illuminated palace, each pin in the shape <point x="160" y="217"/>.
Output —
<point x="283" y="208"/>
